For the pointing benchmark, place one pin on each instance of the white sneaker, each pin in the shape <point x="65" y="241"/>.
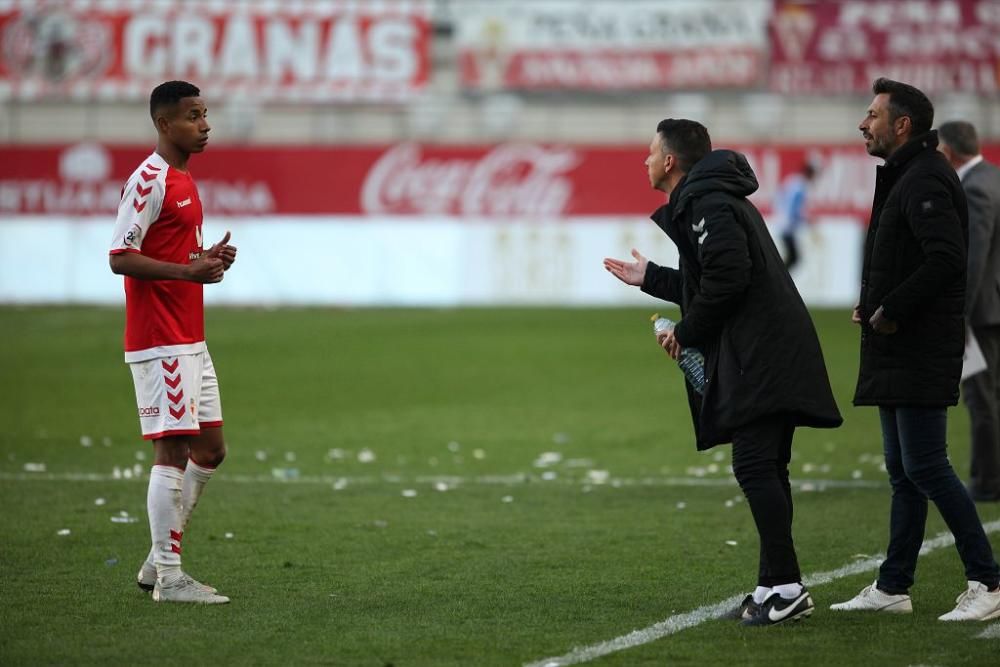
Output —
<point x="977" y="603"/>
<point x="186" y="589"/>
<point x="146" y="579"/>
<point x="872" y="599"/>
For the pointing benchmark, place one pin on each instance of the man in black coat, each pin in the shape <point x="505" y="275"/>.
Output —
<point x="764" y="369"/>
<point x="981" y="182"/>
<point x="912" y="338"/>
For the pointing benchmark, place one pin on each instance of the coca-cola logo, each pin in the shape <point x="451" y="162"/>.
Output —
<point x="511" y="179"/>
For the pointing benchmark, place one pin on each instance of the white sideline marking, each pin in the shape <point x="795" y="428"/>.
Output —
<point x="453" y="480"/>
<point x="675" y="624"/>
<point x="992" y="632"/>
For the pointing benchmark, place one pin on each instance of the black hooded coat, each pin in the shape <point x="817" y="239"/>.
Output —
<point x="739" y="307"/>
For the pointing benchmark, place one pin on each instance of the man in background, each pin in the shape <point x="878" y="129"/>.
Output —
<point x="981" y="182"/>
<point x="790" y="208"/>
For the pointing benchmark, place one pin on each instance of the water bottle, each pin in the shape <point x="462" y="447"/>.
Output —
<point x="691" y="360"/>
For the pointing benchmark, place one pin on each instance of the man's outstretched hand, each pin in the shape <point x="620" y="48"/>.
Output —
<point x="630" y="273"/>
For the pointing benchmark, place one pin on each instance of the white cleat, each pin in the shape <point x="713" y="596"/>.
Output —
<point x="186" y="589"/>
<point x="146" y="579"/>
<point x="977" y="603"/>
<point x="872" y="599"/>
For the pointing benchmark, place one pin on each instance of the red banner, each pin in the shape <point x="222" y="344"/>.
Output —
<point x="505" y="181"/>
<point x="842" y="47"/>
<point x="304" y="51"/>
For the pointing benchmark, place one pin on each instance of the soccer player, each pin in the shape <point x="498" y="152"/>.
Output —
<point x="157" y="246"/>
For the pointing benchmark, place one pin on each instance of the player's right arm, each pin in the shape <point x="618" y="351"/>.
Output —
<point x="136" y="265"/>
<point x="142" y="199"/>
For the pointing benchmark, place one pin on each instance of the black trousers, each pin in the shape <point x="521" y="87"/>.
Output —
<point x="982" y="396"/>
<point x="791" y="250"/>
<point x="761" y="452"/>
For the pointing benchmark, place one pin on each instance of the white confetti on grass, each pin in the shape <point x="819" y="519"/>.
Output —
<point x="409" y="493"/>
<point x="63" y="532"/>
<point x="478" y="454"/>
<point x="34" y="467"/>
<point x="507" y="499"/>
<point x="86" y="441"/>
<point x="454" y="446"/>
<point x="546" y="459"/>
<point x="732" y="543"/>
<point x="99" y="501"/>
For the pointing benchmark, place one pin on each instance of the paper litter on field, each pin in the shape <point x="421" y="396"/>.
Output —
<point x="857" y="474"/>
<point x="560" y="438"/>
<point x="366" y="456"/>
<point x="507" y="499"/>
<point x="290" y="457"/>
<point x="454" y="446"/>
<point x="86" y="441"/>
<point x="63" y="532"/>
<point x="441" y="486"/>
<point x="340" y="484"/>
<point x="549" y="475"/>
<point x="140" y="455"/>
<point x="34" y="467"/>
<point x="598" y="476"/>
<point x="336" y="454"/>
<point x="546" y="459"/>
<point x="229" y="536"/>
<point x="478" y="454"/>
<point x="732" y="543"/>
<point x="681" y="505"/>
<point x="260" y="455"/>
<point x="99" y="501"/>
<point x="409" y="493"/>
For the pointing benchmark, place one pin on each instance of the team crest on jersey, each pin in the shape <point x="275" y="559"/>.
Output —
<point x="132" y="236"/>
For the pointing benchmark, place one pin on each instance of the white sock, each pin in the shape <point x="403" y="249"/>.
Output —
<point x="163" y="504"/>
<point x="195" y="478"/>
<point x="760" y="594"/>
<point x="789" y="591"/>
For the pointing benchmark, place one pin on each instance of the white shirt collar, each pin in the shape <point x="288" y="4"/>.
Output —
<point x="967" y="167"/>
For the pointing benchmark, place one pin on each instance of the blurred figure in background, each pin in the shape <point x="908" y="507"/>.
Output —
<point x="790" y="207"/>
<point x="912" y="336"/>
<point x="981" y="182"/>
<point x="764" y="369"/>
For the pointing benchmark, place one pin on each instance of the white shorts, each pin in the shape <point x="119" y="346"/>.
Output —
<point x="176" y="396"/>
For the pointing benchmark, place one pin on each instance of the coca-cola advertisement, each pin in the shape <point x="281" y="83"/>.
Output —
<point x="611" y="46"/>
<point x="502" y="182"/>
<point x="841" y="47"/>
<point x="336" y="50"/>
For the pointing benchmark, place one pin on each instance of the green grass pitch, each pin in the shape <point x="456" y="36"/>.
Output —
<point x="459" y="543"/>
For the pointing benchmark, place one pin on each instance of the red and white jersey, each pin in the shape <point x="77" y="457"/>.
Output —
<point x="160" y="217"/>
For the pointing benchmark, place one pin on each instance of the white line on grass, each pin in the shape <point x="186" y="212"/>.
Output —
<point x="451" y="480"/>
<point x="675" y="624"/>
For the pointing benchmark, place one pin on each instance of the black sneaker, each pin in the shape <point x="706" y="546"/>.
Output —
<point x="775" y="609"/>
<point x="746" y="609"/>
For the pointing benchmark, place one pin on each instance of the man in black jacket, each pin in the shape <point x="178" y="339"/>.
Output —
<point x="764" y="369"/>
<point x="912" y="338"/>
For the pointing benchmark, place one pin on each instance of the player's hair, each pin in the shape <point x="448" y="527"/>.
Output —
<point x="688" y="140"/>
<point x="960" y="137"/>
<point x="170" y="93"/>
<point x="905" y="100"/>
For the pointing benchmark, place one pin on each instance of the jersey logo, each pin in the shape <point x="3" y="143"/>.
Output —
<point x="182" y="204"/>
<point x="700" y="226"/>
<point x="132" y="236"/>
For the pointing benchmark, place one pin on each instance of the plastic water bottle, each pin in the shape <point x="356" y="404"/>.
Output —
<point x="691" y="360"/>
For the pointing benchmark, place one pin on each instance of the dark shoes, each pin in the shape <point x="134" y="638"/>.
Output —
<point x="775" y="609"/>
<point x="747" y="609"/>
